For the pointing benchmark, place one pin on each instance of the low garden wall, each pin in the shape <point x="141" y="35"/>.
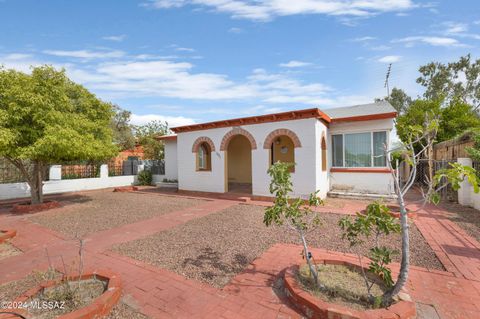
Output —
<point x="466" y="196"/>
<point x="57" y="185"/>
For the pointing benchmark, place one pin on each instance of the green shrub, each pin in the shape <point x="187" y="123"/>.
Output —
<point x="145" y="178"/>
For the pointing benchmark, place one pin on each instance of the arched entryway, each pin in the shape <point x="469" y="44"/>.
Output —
<point x="238" y="162"/>
<point x="282" y="144"/>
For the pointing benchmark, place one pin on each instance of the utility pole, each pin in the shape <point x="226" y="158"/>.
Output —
<point x="387" y="77"/>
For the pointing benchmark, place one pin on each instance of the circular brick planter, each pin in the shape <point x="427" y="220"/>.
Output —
<point x="7" y="234"/>
<point x="100" y="307"/>
<point x="316" y="308"/>
<point x="26" y="208"/>
<point x="125" y="189"/>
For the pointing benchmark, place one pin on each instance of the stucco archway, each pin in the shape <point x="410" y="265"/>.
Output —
<point x="199" y="141"/>
<point x="237" y="131"/>
<point x="281" y="132"/>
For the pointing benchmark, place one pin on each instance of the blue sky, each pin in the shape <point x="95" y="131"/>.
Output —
<point x="190" y="61"/>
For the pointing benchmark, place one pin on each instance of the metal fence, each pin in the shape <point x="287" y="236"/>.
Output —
<point x="9" y="173"/>
<point x="156" y="167"/>
<point x="76" y="171"/>
<point x="124" y="169"/>
<point x="421" y="179"/>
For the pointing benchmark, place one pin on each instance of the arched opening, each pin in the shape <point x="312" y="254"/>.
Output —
<point x="204" y="157"/>
<point x="324" y="154"/>
<point x="239" y="165"/>
<point x="282" y="150"/>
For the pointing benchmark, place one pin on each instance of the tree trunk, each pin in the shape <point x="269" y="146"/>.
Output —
<point x="36" y="183"/>
<point x="405" y="262"/>
<point x="313" y="270"/>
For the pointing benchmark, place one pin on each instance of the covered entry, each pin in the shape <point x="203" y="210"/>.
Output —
<point x="238" y="145"/>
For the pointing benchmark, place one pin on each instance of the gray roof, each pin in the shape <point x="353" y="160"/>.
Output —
<point x="360" y="110"/>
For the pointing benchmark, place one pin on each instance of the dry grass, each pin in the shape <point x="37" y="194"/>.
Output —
<point x="216" y="247"/>
<point x="101" y="210"/>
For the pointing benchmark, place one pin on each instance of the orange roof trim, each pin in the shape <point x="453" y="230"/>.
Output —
<point x="167" y="138"/>
<point x="365" y="117"/>
<point x="277" y="117"/>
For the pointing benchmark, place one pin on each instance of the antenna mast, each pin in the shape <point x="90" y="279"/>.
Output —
<point x="387" y="77"/>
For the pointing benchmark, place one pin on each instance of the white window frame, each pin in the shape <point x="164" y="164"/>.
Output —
<point x="372" y="162"/>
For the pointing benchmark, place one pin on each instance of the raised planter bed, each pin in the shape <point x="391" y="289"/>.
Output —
<point x="98" y="308"/>
<point x="125" y="189"/>
<point x="315" y="308"/>
<point x="26" y="208"/>
<point x="6" y="234"/>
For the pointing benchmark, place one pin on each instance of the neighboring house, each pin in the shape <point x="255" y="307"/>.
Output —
<point x="129" y="155"/>
<point x="335" y="150"/>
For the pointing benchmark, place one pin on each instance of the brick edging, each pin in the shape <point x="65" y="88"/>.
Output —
<point x="316" y="308"/>
<point x="7" y="234"/>
<point x="99" y="307"/>
<point x="123" y="189"/>
<point x="25" y="208"/>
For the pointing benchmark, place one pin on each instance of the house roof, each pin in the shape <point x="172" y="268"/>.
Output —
<point x="170" y="137"/>
<point x="365" y="112"/>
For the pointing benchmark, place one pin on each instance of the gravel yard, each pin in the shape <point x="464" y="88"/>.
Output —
<point x="215" y="248"/>
<point x="105" y="209"/>
<point x="8" y="250"/>
<point x="466" y="217"/>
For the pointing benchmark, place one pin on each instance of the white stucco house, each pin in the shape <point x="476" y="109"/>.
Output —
<point x="338" y="150"/>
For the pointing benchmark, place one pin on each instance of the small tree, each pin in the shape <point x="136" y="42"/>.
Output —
<point x="376" y="221"/>
<point x="418" y="143"/>
<point x="147" y="137"/>
<point x="292" y="212"/>
<point x="45" y="118"/>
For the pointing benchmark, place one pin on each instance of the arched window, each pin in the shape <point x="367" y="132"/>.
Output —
<point x="204" y="158"/>
<point x="324" y="154"/>
<point x="282" y="150"/>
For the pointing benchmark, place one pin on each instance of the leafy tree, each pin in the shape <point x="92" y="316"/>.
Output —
<point x="45" y="118"/>
<point x="453" y="81"/>
<point x="378" y="222"/>
<point x="456" y="118"/>
<point x="419" y="140"/>
<point x="292" y="212"/>
<point x="474" y="151"/>
<point x="398" y="99"/>
<point x="146" y="136"/>
<point x="122" y="129"/>
<point x="415" y="116"/>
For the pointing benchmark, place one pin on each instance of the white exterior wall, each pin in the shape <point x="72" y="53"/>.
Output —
<point x="171" y="168"/>
<point x="379" y="183"/>
<point x="20" y="190"/>
<point x="304" y="178"/>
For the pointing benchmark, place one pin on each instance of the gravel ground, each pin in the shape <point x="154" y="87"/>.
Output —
<point x="8" y="250"/>
<point x="123" y="311"/>
<point x="105" y="209"/>
<point x="216" y="247"/>
<point x="466" y="217"/>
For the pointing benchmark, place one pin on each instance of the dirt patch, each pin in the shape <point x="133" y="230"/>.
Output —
<point x="106" y="210"/>
<point x="123" y="311"/>
<point x="11" y="290"/>
<point x="466" y="217"/>
<point x="215" y="248"/>
<point x="8" y="250"/>
<point x="342" y="286"/>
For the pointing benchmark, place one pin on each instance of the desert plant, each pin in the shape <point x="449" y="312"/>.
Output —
<point x="145" y="178"/>
<point x="378" y="222"/>
<point x="293" y="213"/>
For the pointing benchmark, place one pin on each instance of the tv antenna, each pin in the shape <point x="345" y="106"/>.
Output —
<point x="387" y="77"/>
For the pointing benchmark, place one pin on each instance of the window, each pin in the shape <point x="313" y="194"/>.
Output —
<point x="359" y="149"/>
<point x="204" y="158"/>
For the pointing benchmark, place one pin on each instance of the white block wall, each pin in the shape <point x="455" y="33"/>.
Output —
<point x="466" y="196"/>
<point x="304" y="178"/>
<point x="379" y="183"/>
<point x="21" y="190"/>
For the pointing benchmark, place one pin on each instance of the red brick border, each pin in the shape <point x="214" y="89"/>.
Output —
<point x="7" y="234"/>
<point x="124" y="189"/>
<point x="281" y="132"/>
<point x="100" y="307"/>
<point x="316" y="308"/>
<point x="25" y="208"/>
<point x="199" y="141"/>
<point x="237" y="131"/>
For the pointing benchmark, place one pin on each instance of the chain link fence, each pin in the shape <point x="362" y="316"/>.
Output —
<point x="423" y="175"/>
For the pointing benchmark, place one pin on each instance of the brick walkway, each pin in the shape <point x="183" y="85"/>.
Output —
<point x="160" y="293"/>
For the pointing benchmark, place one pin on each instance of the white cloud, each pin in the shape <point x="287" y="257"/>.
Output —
<point x="235" y="30"/>
<point x="294" y="64"/>
<point x="85" y="54"/>
<point x="453" y="28"/>
<point x="381" y="47"/>
<point x="390" y="59"/>
<point x="137" y="119"/>
<point x="434" y="41"/>
<point x="363" y="39"/>
<point x="17" y="56"/>
<point x="180" y="49"/>
<point x="115" y="38"/>
<point x="269" y="9"/>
